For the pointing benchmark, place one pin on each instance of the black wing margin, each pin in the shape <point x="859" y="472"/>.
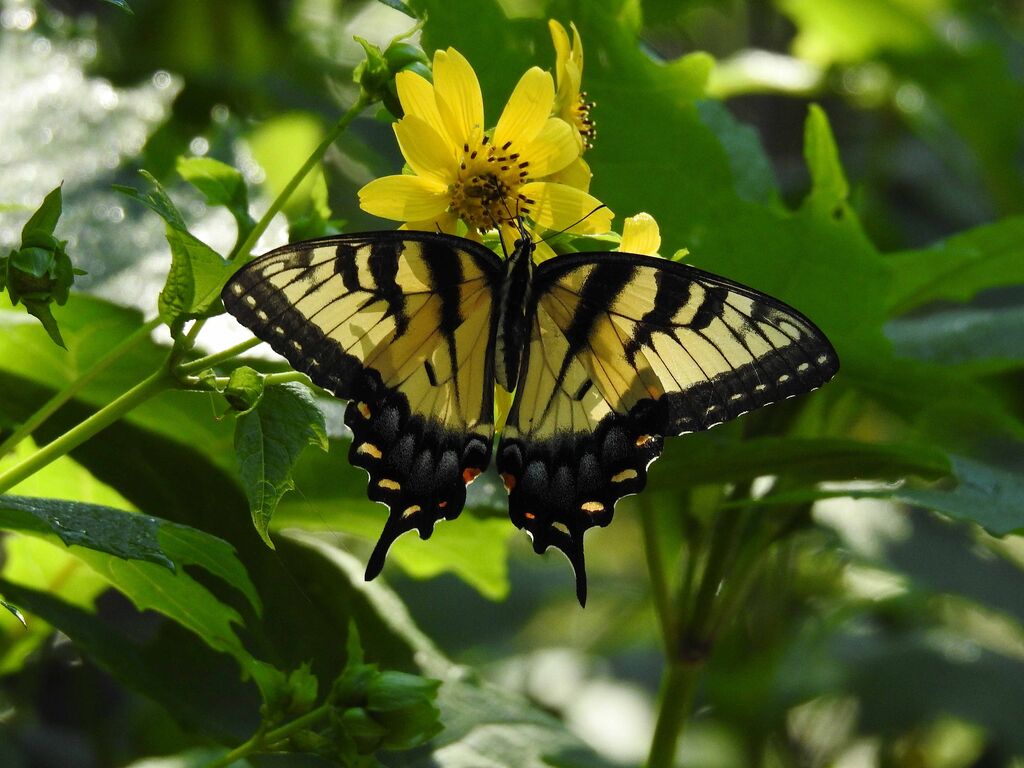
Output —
<point x="401" y="325"/>
<point x="624" y="351"/>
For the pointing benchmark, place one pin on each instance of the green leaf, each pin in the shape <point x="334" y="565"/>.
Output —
<point x="400" y="6"/>
<point x="268" y="440"/>
<point x="960" y="267"/>
<point x="221" y="185"/>
<point x="714" y="458"/>
<point x="156" y="200"/>
<point x="984" y="494"/>
<point x="156" y="666"/>
<point x="92" y="327"/>
<point x="15" y="612"/>
<point x="332" y="496"/>
<point x="836" y="31"/>
<point x="194" y="281"/>
<point x="484" y="724"/>
<point x="122" y="4"/>
<point x="980" y="340"/>
<point x="41" y="310"/>
<point x="751" y="170"/>
<point x="44" y="221"/>
<point x="144" y="558"/>
<point x="829" y="188"/>
<point x="281" y="145"/>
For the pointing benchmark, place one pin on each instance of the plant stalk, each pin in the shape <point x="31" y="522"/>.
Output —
<point x="33" y="422"/>
<point x="678" y="685"/>
<point x="260" y="739"/>
<point x="103" y="418"/>
<point x="360" y="104"/>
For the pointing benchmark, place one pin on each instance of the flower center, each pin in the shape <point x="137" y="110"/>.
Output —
<point x="583" y="121"/>
<point x="486" y="190"/>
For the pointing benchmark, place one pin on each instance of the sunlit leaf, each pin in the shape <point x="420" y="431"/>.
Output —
<point x="268" y="440"/>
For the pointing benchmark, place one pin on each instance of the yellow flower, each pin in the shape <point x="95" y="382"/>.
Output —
<point x="640" y="234"/>
<point x="485" y="178"/>
<point x="570" y="103"/>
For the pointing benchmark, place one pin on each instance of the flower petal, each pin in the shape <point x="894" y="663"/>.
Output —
<point x="575" y="174"/>
<point x="560" y="39"/>
<point x="527" y="110"/>
<point x="576" y="56"/>
<point x="447" y="222"/>
<point x="560" y="207"/>
<point x="552" y="150"/>
<point x="404" y="198"/>
<point x="542" y="252"/>
<point x="426" y="151"/>
<point x="640" y="234"/>
<point x="416" y="95"/>
<point x="459" y="100"/>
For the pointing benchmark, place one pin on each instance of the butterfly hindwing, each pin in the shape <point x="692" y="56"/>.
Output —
<point x="625" y="350"/>
<point x="401" y="325"/>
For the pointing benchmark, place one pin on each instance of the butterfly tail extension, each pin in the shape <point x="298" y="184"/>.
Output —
<point x="564" y="485"/>
<point x="416" y="467"/>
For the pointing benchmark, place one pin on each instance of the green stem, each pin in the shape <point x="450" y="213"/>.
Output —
<point x="145" y="389"/>
<point x="33" y="422"/>
<point x="202" y="363"/>
<point x="656" y="570"/>
<point x="244" y="246"/>
<point x="678" y="685"/>
<point x="361" y="103"/>
<point x="260" y="739"/>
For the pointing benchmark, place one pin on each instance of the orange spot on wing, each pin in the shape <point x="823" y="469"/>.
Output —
<point x="469" y="474"/>
<point x="644" y="440"/>
<point x="442" y="504"/>
<point x="529" y="515"/>
<point x="509" y="481"/>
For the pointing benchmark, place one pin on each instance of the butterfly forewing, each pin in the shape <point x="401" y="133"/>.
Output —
<point x="624" y="351"/>
<point x="401" y="325"/>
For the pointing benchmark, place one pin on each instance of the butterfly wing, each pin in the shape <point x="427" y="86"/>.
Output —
<point x="625" y="350"/>
<point x="401" y="325"/>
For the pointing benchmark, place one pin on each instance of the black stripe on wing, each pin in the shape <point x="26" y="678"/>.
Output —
<point x="336" y="309"/>
<point x="672" y="349"/>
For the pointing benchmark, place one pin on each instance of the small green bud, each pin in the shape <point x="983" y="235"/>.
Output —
<point x="401" y="55"/>
<point x="245" y="386"/>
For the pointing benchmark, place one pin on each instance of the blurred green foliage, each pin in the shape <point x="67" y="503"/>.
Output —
<point x="840" y="574"/>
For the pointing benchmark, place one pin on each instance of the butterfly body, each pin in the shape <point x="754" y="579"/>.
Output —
<point x="607" y="354"/>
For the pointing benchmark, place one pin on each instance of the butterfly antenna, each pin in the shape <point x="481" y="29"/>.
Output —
<point x="581" y="219"/>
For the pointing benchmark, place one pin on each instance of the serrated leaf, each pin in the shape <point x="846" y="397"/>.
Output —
<point x="195" y="278"/>
<point x="268" y="440"/>
<point x="222" y="185"/>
